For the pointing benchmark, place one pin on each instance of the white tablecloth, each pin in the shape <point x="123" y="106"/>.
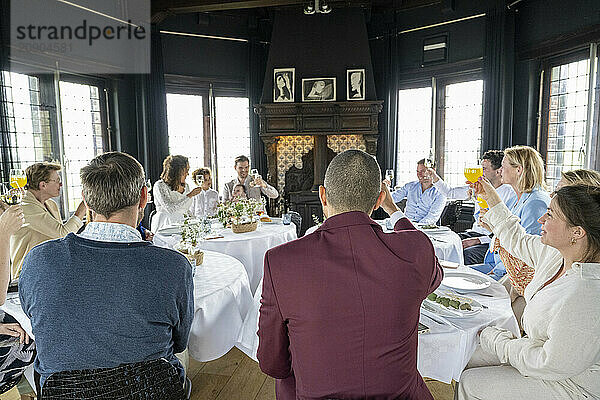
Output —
<point x="222" y="299"/>
<point x="447" y="244"/>
<point x="444" y="352"/>
<point x="249" y="248"/>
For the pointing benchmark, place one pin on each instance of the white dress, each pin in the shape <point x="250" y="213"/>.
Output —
<point x="560" y="356"/>
<point x="205" y="203"/>
<point x="170" y="205"/>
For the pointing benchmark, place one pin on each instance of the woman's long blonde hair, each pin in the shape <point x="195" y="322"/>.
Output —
<point x="532" y="164"/>
<point x="581" y="177"/>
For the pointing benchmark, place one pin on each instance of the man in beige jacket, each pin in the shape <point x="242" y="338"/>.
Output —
<point x="42" y="217"/>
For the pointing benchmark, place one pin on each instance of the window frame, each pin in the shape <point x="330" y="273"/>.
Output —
<point x="544" y="117"/>
<point x="438" y="85"/>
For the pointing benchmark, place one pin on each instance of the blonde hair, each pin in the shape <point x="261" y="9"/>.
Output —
<point x="582" y="177"/>
<point x="530" y="160"/>
<point x="38" y="173"/>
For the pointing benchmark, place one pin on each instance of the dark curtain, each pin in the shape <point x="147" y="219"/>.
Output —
<point x="153" y="107"/>
<point x="499" y="82"/>
<point x="257" y="57"/>
<point x="5" y="153"/>
<point x="384" y="53"/>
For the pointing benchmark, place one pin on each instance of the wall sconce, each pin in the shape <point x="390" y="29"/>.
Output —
<point x="316" y="6"/>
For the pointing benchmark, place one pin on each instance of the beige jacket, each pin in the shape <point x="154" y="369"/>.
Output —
<point x="41" y="223"/>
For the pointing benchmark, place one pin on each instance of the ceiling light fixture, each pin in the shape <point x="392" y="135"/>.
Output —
<point x="316" y="6"/>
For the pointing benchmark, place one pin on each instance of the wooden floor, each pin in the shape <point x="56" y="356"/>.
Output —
<point x="235" y="376"/>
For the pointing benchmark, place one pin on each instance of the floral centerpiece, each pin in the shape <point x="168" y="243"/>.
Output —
<point x="192" y="232"/>
<point x="241" y="214"/>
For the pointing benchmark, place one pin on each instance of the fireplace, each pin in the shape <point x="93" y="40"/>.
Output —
<point x="301" y="138"/>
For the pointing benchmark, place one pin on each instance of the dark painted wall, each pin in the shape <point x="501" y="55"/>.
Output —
<point x="320" y="46"/>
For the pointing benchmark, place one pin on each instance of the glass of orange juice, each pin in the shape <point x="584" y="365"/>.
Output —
<point x="473" y="173"/>
<point x="482" y="202"/>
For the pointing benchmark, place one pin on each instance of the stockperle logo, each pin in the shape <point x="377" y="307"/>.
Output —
<point x="80" y="36"/>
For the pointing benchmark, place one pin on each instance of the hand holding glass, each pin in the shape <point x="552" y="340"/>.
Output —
<point x="254" y="174"/>
<point x="389" y="175"/>
<point x="10" y="195"/>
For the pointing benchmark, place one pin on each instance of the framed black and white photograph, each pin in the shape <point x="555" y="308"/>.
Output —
<point x="355" y="84"/>
<point x="283" y="84"/>
<point x="318" y="89"/>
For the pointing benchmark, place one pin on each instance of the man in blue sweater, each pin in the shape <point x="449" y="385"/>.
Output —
<point x="106" y="297"/>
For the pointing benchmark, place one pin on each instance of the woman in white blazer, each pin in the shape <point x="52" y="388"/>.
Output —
<point x="559" y="358"/>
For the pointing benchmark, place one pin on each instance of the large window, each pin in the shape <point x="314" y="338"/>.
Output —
<point x="186" y="127"/>
<point x="33" y="134"/>
<point x="463" y="104"/>
<point x="231" y="136"/>
<point x="28" y="125"/>
<point x="414" y="131"/>
<point x="566" y="116"/>
<point x="82" y="132"/>
<point x="455" y="139"/>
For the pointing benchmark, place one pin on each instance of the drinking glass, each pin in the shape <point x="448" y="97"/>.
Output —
<point x="18" y="178"/>
<point x="286" y="218"/>
<point x="10" y="195"/>
<point x="389" y="175"/>
<point x="473" y="173"/>
<point x="148" y="185"/>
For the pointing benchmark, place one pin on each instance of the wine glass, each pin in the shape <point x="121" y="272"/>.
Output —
<point x="11" y="195"/>
<point x="18" y="178"/>
<point x="389" y="175"/>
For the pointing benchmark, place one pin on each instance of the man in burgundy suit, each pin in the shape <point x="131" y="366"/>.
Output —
<point x="340" y="306"/>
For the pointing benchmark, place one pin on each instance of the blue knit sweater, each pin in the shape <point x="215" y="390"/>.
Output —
<point x="99" y="304"/>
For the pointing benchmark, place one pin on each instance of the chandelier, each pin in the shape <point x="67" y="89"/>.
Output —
<point x="316" y="6"/>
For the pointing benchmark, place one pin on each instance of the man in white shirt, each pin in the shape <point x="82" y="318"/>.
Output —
<point x="242" y="167"/>
<point x="476" y="240"/>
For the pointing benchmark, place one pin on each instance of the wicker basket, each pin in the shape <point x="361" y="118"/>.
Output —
<point x="243" y="228"/>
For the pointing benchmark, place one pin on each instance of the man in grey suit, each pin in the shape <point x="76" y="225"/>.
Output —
<point x="254" y="191"/>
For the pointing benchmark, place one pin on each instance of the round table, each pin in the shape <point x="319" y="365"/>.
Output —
<point x="249" y="248"/>
<point x="222" y="299"/>
<point x="447" y="244"/>
<point x="444" y="352"/>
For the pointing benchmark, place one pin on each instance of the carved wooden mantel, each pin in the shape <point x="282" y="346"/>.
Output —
<point x="317" y="119"/>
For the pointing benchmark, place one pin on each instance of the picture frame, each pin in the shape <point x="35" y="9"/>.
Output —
<point x="318" y="89"/>
<point x="284" y="81"/>
<point x="355" y="84"/>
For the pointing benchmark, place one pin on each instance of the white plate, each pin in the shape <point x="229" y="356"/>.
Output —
<point x="434" y="230"/>
<point x="464" y="281"/>
<point x="451" y="312"/>
<point x="170" y="230"/>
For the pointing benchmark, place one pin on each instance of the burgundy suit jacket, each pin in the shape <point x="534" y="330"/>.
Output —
<point x="340" y="309"/>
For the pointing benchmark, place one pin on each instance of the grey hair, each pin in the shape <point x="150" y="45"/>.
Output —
<point x="112" y="182"/>
<point x="353" y="182"/>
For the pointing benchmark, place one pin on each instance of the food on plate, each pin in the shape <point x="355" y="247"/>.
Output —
<point x="265" y="218"/>
<point x="429" y="226"/>
<point x="450" y="302"/>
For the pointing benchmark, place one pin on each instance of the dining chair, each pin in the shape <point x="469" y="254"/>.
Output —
<point x="148" y="380"/>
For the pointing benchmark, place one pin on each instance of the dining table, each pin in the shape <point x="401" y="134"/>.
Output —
<point x="222" y="299"/>
<point x="249" y="248"/>
<point x="444" y="351"/>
